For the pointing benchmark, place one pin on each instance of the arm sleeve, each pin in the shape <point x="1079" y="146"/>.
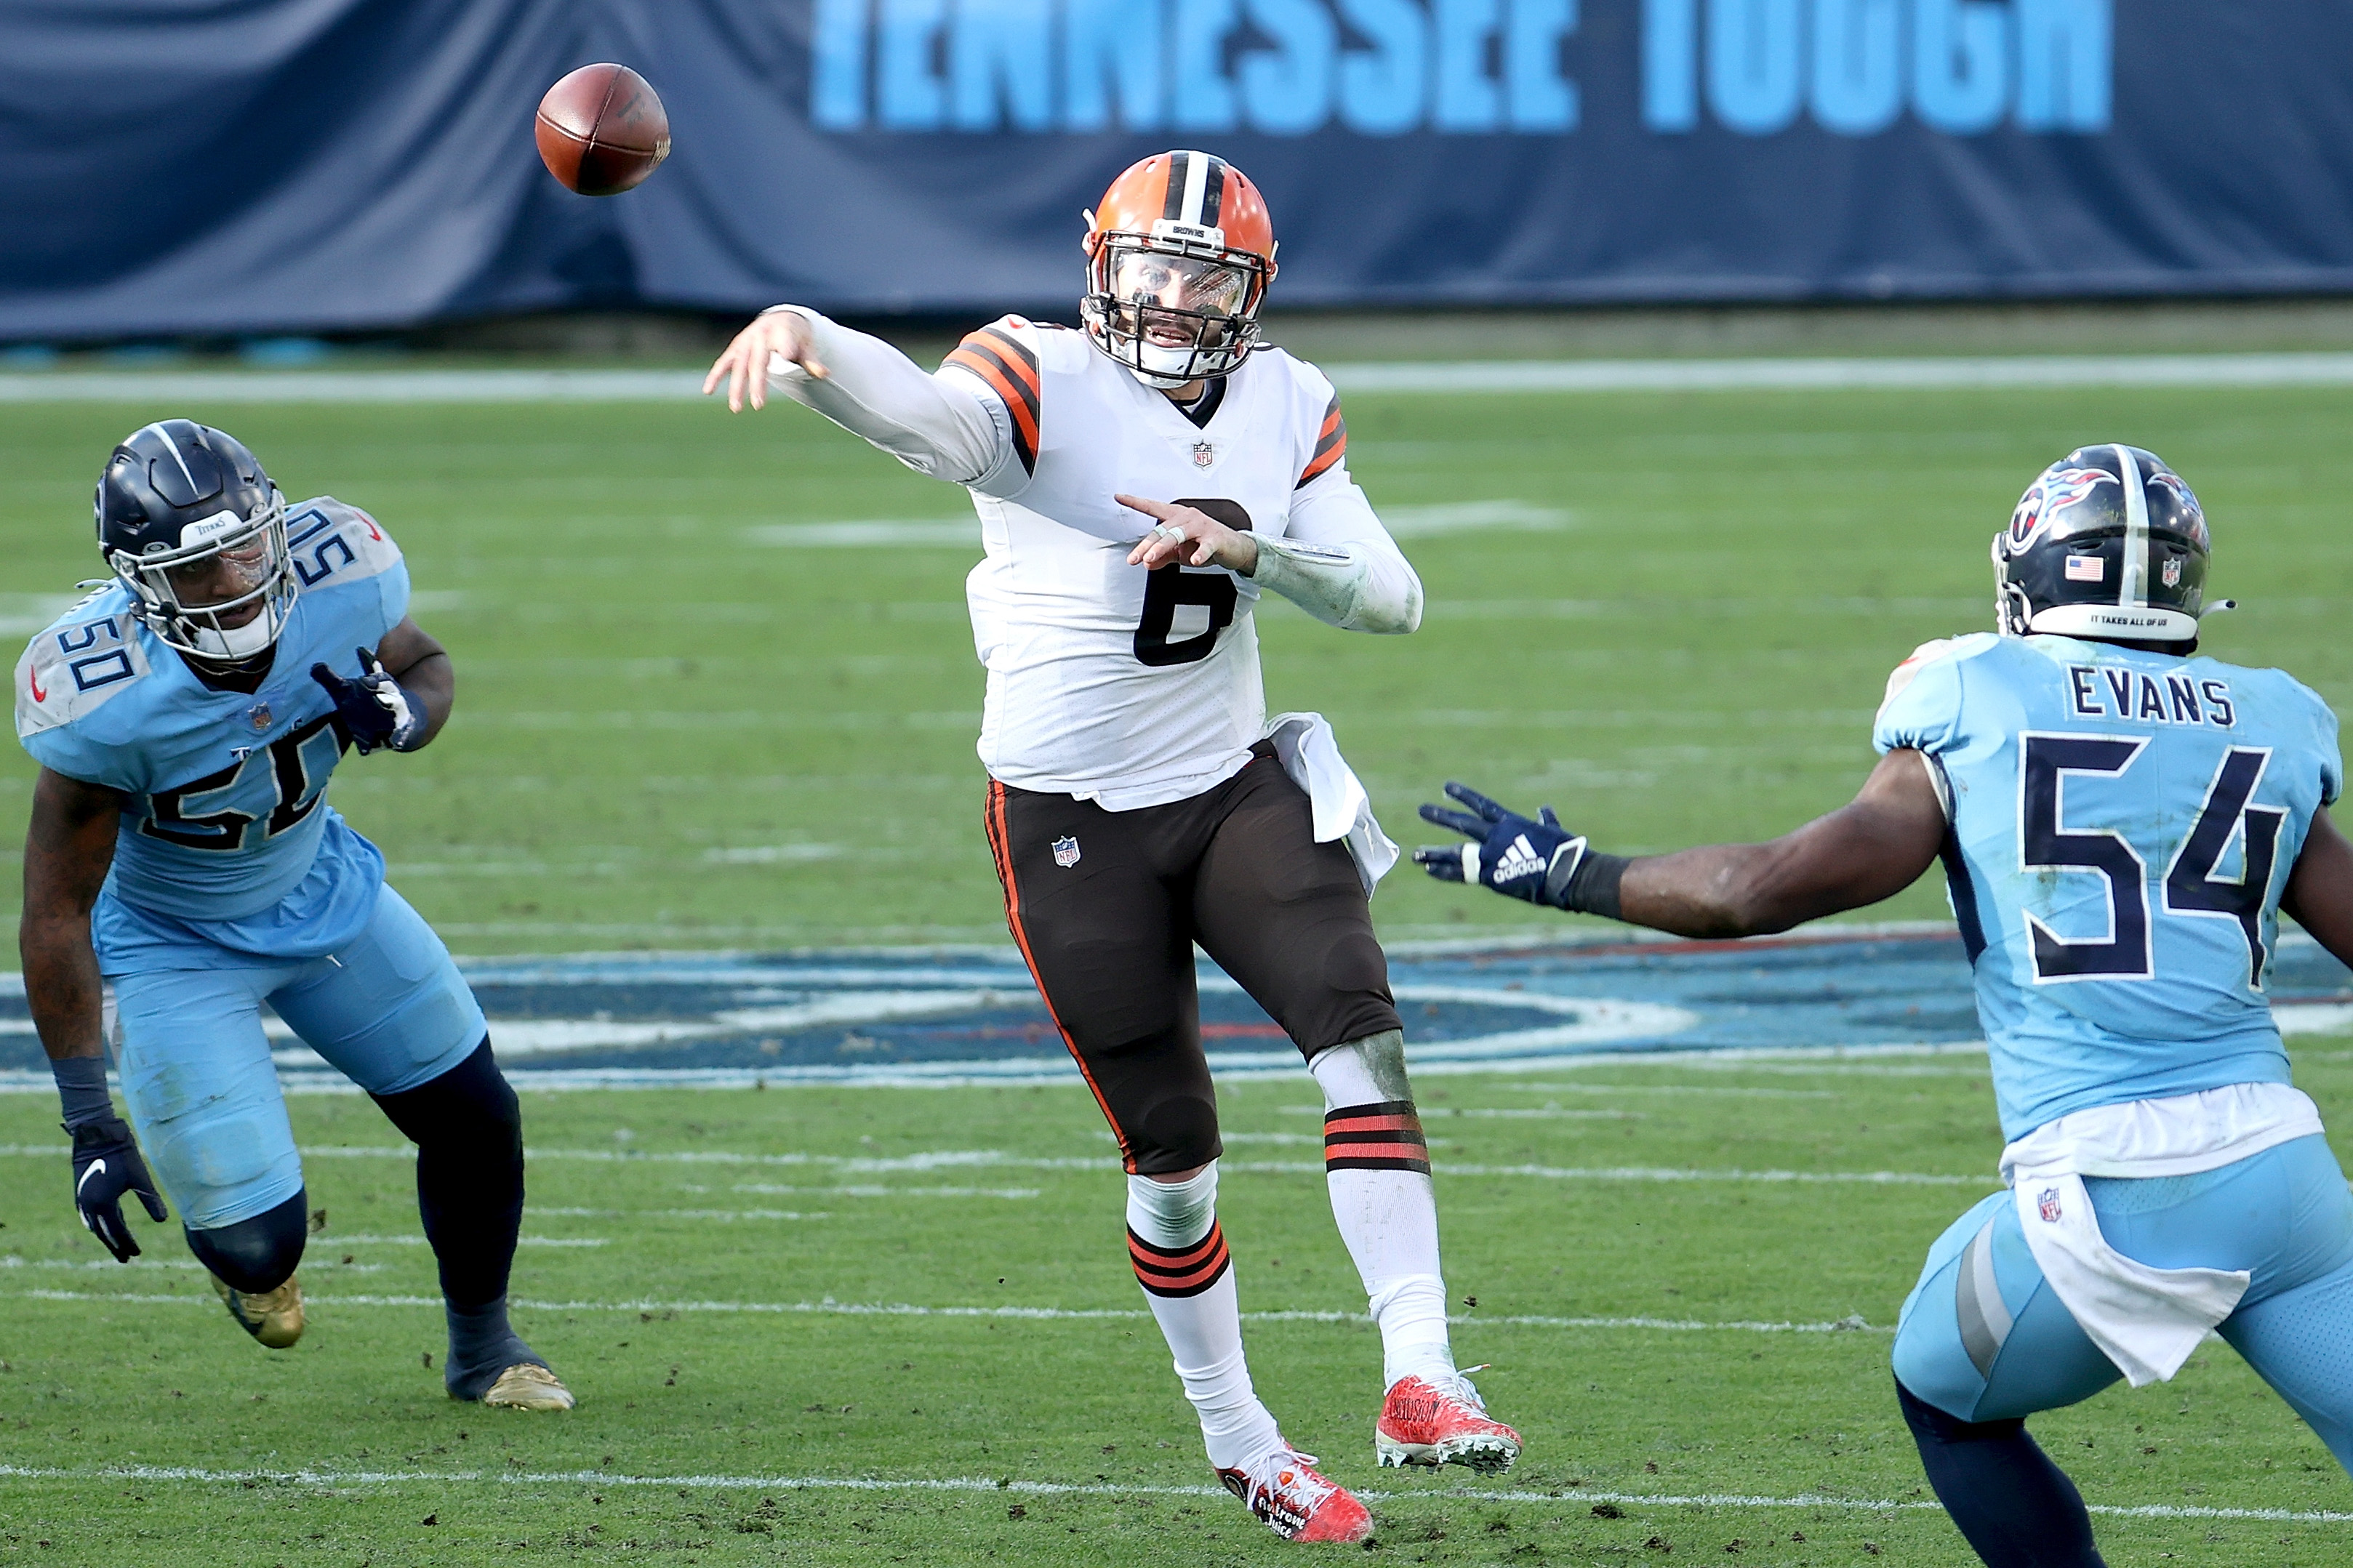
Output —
<point x="1923" y="706"/>
<point x="1338" y="563"/>
<point x="946" y="426"/>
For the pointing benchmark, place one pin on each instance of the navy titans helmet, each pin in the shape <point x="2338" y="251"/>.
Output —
<point x="191" y="524"/>
<point x="2108" y="543"/>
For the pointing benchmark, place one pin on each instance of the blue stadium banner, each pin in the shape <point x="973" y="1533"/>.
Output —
<point x="181" y="167"/>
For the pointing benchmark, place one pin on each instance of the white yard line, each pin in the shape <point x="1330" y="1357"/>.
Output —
<point x="993" y="1160"/>
<point x="985" y="1486"/>
<point x="1025" y="1314"/>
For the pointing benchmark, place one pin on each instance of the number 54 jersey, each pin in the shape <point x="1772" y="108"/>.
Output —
<point x="227" y="840"/>
<point x="2124" y="823"/>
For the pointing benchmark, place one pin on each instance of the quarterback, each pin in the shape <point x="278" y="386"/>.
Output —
<point x="1140" y="483"/>
<point x="2121" y="823"/>
<point x="186" y="717"/>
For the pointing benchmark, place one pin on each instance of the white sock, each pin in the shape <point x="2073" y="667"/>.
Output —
<point x="1188" y="1277"/>
<point x="1377" y="1165"/>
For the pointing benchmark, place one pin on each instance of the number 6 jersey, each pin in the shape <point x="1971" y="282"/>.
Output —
<point x="2124" y="823"/>
<point x="1107" y="681"/>
<point x="225" y="833"/>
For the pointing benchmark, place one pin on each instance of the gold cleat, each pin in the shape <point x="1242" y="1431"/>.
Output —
<point x="274" y="1317"/>
<point x="527" y="1386"/>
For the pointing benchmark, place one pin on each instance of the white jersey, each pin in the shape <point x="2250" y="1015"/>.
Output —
<point x="1107" y="681"/>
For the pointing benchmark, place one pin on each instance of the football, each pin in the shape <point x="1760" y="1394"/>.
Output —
<point x="602" y="130"/>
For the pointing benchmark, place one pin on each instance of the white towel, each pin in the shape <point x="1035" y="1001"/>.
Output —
<point x="1304" y="744"/>
<point x="2145" y="1319"/>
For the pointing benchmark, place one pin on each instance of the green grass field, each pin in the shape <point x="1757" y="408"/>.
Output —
<point x="671" y="735"/>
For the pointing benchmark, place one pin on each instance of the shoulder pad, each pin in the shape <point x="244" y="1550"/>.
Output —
<point x="1004" y="357"/>
<point x="1927" y="654"/>
<point x="89" y="655"/>
<point x="331" y="543"/>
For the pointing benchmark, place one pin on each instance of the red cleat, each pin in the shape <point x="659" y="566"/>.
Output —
<point x="1298" y="1504"/>
<point x="1442" y="1424"/>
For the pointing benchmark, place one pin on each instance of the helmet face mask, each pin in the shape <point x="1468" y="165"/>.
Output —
<point x="224" y="596"/>
<point x="1169" y="315"/>
<point x="193" y="526"/>
<point x="1179" y="259"/>
<point x="2108" y="543"/>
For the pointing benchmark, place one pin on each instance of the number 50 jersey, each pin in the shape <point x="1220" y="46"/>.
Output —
<point x="2123" y="825"/>
<point x="226" y="839"/>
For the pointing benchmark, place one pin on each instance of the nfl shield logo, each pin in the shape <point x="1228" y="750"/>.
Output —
<point x="2172" y="573"/>
<point x="2046" y="1202"/>
<point x="1203" y="454"/>
<point x="259" y="715"/>
<point x="1066" y="852"/>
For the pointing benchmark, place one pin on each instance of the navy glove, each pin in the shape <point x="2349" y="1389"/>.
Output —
<point x="1536" y="859"/>
<point x="106" y="1165"/>
<point x="378" y="709"/>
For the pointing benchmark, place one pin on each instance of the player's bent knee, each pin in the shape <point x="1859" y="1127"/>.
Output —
<point x="471" y="1103"/>
<point x="1178" y="1133"/>
<point x="1930" y="1425"/>
<point x="256" y="1256"/>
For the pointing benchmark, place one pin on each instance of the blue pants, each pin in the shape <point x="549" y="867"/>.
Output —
<point x="390" y="1012"/>
<point x="2284" y="1214"/>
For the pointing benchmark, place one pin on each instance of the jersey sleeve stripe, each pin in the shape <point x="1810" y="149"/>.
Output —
<point x="1331" y="443"/>
<point x="984" y="359"/>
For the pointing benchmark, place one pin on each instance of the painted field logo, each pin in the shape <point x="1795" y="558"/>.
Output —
<point x="1066" y="852"/>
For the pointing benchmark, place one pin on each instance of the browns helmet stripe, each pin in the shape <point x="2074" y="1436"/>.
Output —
<point x="1188" y="1271"/>
<point x="999" y="358"/>
<point x="1331" y="442"/>
<point x="1172" y="205"/>
<point x="1383" y="1137"/>
<point x="1213" y="191"/>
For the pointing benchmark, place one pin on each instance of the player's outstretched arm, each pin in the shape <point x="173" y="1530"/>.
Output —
<point x="938" y="425"/>
<point x="69" y="847"/>
<point x="2319" y="894"/>
<point x="778" y="334"/>
<point x="403" y="694"/>
<point x="1869" y="849"/>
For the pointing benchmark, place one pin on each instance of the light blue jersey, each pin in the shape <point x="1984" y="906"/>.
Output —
<point x="2123" y="824"/>
<point x="227" y="840"/>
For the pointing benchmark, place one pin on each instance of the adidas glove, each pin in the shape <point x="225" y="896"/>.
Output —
<point x="378" y="709"/>
<point x="107" y="1167"/>
<point x="1538" y="861"/>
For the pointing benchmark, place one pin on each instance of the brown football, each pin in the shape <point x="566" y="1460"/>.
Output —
<point x="601" y="130"/>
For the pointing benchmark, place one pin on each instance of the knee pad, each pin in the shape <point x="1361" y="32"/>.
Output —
<point x="1173" y="1213"/>
<point x="472" y="1104"/>
<point x="257" y="1255"/>
<point x="1177" y="1133"/>
<point x="1370" y="1071"/>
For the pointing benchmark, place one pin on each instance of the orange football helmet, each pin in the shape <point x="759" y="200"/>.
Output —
<point x="1179" y="255"/>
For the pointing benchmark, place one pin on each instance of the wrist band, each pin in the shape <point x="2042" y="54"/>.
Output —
<point x="81" y="1088"/>
<point x="1586" y="883"/>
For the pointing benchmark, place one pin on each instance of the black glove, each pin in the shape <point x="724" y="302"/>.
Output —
<point x="106" y="1165"/>
<point x="1522" y="857"/>
<point x="378" y="709"/>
